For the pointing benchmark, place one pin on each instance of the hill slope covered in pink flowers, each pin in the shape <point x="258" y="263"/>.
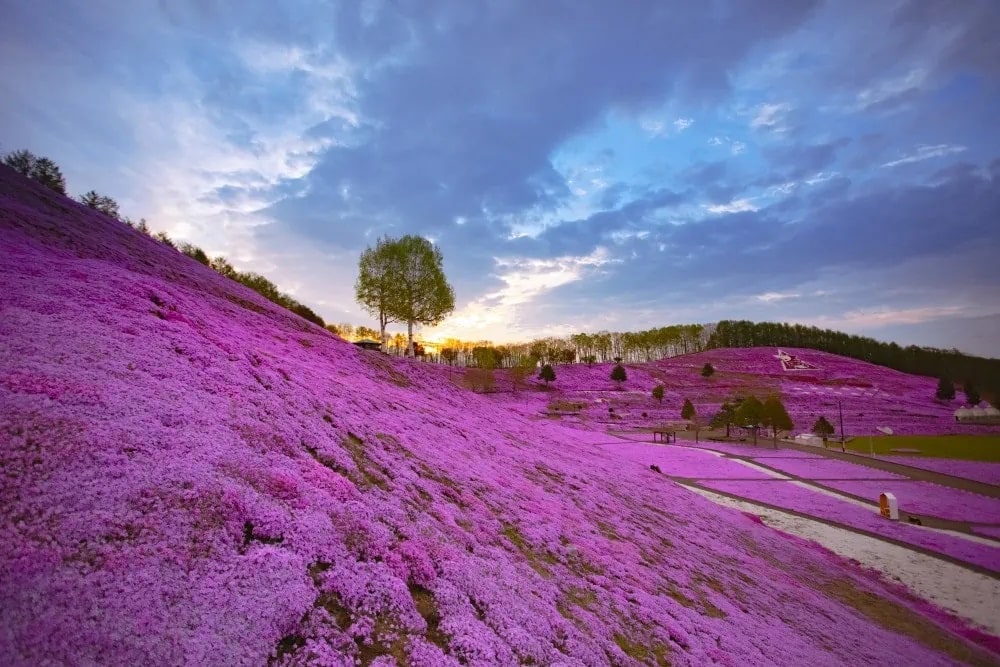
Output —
<point x="869" y="395"/>
<point x="192" y="475"/>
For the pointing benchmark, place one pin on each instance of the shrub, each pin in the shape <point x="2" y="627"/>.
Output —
<point x="618" y="374"/>
<point x="547" y="374"/>
<point x="708" y="370"/>
<point x="658" y="393"/>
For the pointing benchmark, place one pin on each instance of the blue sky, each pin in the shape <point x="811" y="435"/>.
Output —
<point x="583" y="166"/>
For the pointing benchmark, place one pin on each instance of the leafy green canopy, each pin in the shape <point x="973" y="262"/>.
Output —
<point x="402" y="280"/>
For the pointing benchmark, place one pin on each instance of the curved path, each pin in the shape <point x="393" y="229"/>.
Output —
<point x="959" y="529"/>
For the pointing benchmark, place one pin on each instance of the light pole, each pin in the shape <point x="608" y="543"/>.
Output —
<point x="840" y="409"/>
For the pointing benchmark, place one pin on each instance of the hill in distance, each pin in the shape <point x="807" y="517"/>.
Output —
<point x="811" y="384"/>
<point x="193" y="475"/>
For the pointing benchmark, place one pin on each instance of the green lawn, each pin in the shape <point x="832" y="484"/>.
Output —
<point x="969" y="447"/>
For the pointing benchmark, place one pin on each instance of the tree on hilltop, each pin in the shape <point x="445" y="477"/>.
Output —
<point x="21" y="161"/>
<point x="41" y="169"/>
<point x="195" y="253"/>
<point x="102" y="203"/>
<point x="402" y="280"/>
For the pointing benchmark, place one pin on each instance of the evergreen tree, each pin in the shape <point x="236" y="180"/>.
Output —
<point x="196" y="253"/>
<point x="823" y="429"/>
<point x="972" y="396"/>
<point x="750" y="415"/>
<point x="776" y="417"/>
<point x="547" y="374"/>
<point x="726" y="416"/>
<point x="658" y="393"/>
<point x="165" y="239"/>
<point x="708" y="370"/>
<point x="48" y="174"/>
<point x="945" y="389"/>
<point x="687" y="411"/>
<point x="618" y="374"/>
<point x="41" y="169"/>
<point x="102" y="203"/>
<point x="22" y="161"/>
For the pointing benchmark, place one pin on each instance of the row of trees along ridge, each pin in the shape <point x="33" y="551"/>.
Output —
<point x="952" y="365"/>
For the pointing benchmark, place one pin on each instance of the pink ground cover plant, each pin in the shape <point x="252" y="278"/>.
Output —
<point x="761" y="451"/>
<point x="686" y="461"/>
<point x="980" y="471"/>
<point x="814" y="503"/>
<point x="193" y="475"/>
<point x="989" y="531"/>
<point x="869" y="395"/>
<point x="927" y="498"/>
<point x="825" y="469"/>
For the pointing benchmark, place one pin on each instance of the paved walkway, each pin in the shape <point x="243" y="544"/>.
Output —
<point x="687" y="440"/>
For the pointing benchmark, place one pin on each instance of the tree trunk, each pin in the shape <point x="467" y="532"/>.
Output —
<point x="409" y="333"/>
<point x="383" y="320"/>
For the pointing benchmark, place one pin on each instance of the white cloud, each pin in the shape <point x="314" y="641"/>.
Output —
<point x="890" y="88"/>
<point x="773" y="297"/>
<point x="735" y="147"/>
<point x="682" y="124"/>
<point x="770" y="117"/>
<point x="927" y="152"/>
<point x="821" y="177"/>
<point x="886" y="315"/>
<point x="654" y="127"/>
<point x="783" y="189"/>
<point x="524" y="281"/>
<point x="735" y="206"/>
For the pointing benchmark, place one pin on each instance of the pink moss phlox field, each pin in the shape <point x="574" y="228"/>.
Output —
<point x="762" y="450"/>
<point x="989" y="531"/>
<point x="192" y="475"/>
<point x="869" y="396"/>
<point x="825" y="469"/>
<point x="927" y="498"/>
<point x="688" y="462"/>
<point x="980" y="471"/>
<point x="814" y="503"/>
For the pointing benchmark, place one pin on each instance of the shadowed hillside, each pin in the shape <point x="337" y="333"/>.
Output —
<point x="192" y="474"/>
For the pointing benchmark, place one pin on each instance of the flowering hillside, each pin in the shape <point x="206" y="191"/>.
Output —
<point x="811" y="384"/>
<point x="191" y="474"/>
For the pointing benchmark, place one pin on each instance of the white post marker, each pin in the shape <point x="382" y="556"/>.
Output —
<point x="888" y="507"/>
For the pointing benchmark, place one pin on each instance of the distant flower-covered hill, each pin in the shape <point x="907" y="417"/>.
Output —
<point x="811" y="384"/>
<point x="190" y="474"/>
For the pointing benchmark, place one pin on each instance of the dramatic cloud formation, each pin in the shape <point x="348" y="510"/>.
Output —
<point x="580" y="165"/>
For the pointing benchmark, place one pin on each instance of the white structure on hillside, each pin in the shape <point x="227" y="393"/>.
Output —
<point x="989" y="413"/>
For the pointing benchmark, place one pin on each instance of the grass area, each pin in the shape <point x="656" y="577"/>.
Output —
<point x="967" y="447"/>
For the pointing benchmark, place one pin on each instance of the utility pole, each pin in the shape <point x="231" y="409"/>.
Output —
<point x="840" y="408"/>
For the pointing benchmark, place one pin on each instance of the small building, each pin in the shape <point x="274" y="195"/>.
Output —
<point x="368" y="344"/>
